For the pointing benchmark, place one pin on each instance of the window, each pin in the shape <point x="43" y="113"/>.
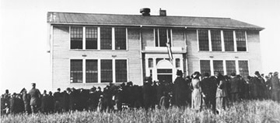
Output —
<point x="106" y="71"/>
<point x="240" y="40"/>
<point x="230" y="66"/>
<point x="243" y="68"/>
<point x="150" y="62"/>
<point x="218" y="66"/>
<point x="76" y="71"/>
<point x="91" y="71"/>
<point x="205" y="66"/>
<point x="76" y="37"/>
<point x="216" y="40"/>
<point x="177" y="62"/>
<point x="228" y="39"/>
<point x="91" y="38"/>
<point x="120" y="38"/>
<point x="203" y="40"/>
<point x="121" y="71"/>
<point x="106" y="37"/>
<point x="162" y="36"/>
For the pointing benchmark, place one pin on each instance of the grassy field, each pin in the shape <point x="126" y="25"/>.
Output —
<point x="244" y="112"/>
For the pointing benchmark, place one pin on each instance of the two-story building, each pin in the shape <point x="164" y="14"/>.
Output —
<point x="89" y="49"/>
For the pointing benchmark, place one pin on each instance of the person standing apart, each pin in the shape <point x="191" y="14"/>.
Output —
<point x="35" y="97"/>
<point x="196" y="93"/>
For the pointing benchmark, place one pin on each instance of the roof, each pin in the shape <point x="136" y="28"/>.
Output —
<point x="153" y="20"/>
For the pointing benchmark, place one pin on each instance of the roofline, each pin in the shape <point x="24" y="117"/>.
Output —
<point x="164" y="26"/>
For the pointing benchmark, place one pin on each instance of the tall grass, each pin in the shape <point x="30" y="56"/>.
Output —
<point x="244" y="112"/>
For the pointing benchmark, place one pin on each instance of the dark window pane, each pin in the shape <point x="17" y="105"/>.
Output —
<point x="156" y="37"/>
<point x="76" y="37"/>
<point x="230" y="65"/>
<point x="91" y="37"/>
<point x="177" y="62"/>
<point x="106" y="37"/>
<point x="228" y="39"/>
<point x="240" y="40"/>
<point x="243" y="68"/>
<point x="121" y="71"/>
<point x="106" y="71"/>
<point x="216" y="40"/>
<point x="162" y="37"/>
<point x="120" y="38"/>
<point x="203" y="40"/>
<point x="91" y="71"/>
<point x="205" y="66"/>
<point x="76" y="71"/>
<point x="218" y="66"/>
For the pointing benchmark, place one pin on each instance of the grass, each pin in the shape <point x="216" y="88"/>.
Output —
<point x="244" y="112"/>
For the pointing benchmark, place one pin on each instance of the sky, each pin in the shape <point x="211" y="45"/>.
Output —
<point x="24" y="30"/>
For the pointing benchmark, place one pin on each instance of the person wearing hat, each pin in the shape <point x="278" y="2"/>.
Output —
<point x="180" y="88"/>
<point x="35" y="96"/>
<point x="275" y="87"/>
<point x="196" y="93"/>
<point x="234" y="87"/>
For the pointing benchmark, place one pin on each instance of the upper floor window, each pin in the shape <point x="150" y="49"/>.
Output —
<point x="240" y="40"/>
<point x="76" y="37"/>
<point x="91" y="37"/>
<point x="106" y="37"/>
<point x="162" y="36"/>
<point x="120" y="38"/>
<point x="228" y="39"/>
<point x="216" y="40"/>
<point x="203" y="40"/>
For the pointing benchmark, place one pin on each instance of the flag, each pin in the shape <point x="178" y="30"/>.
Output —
<point x="168" y="45"/>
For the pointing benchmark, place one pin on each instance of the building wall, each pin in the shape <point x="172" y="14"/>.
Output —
<point x="252" y="54"/>
<point x="61" y="55"/>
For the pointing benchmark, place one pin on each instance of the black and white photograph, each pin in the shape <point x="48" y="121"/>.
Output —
<point x="140" y="61"/>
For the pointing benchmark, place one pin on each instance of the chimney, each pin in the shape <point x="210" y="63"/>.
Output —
<point x="162" y="12"/>
<point x="145" y="11"/>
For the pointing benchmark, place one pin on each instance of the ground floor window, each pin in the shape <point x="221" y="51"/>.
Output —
<point x="225" y="67"/>
<point x="89" y="71"/>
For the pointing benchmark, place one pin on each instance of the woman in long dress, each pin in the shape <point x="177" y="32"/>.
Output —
<point x="196" y="93"/>
<point x="220" y="94"/>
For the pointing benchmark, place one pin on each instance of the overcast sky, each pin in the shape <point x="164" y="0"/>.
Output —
<point x="24" y="45"/>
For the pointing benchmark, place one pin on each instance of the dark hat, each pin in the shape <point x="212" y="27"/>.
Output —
<point x="179" y="72"/>
<point x="33" y="84"/>
<point x="233" y="74"/>
<point x="257" y="73"/>
<point x="196" y="73"/>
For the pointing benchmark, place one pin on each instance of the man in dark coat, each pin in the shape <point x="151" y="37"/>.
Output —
<point x="35" y="98"/>
<point x="275" y="87"/>
<point x="57" y="101"/>
<point x="234" y="87"/>
<point x="147" y="92"/>
<point x="44" y="102"/>
<point x="208" y="87"/>
<point x="180" y="90"/>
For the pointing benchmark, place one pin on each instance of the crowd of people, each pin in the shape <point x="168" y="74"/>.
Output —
<point x="196" y="91"/>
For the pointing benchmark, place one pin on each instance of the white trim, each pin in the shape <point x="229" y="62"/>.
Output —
<point x="209" y="40"/>
<point x="98" y="38"/>
<point x="69" y="36"/>
<point x="237" y="66"/>
<point x="222" y="41"/>
<point x="197" y="37"/>
<point x="113" y="38"/>
<point x="84" y="38"/>
<point x="171" y="36"/>
<point x="246" y="40"/>
<point x="234" y="41"/>
<point x="224" y="67"/>
<point x="114" y="70"/>
<point x="84" y="70"/>
<point x="154" y="30"/>
<point x="211" y="66"/>
<point x="126" y="39"/>
<point x="99" y="70"/>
